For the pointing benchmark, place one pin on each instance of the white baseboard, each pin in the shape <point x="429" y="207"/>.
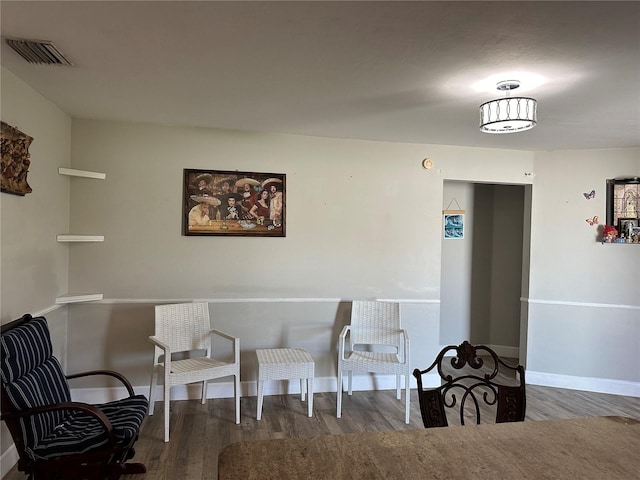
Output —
<point x="599" y="385"/>
<point x="248" y="389"/>
<point x="8" y="460"/>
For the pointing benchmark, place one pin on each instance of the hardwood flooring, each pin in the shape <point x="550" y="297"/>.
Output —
<point x="199" y="432"/>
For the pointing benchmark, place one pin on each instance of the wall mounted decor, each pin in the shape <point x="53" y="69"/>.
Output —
<point x="623" y="200"/>
<point x="453" y="221"/>
<point x="454" y="226"/>
<point x="232" y="203"/>
<point x="15" y="160"/>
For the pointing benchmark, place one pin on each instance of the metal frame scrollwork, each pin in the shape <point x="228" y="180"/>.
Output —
<point x="473" y="385"/>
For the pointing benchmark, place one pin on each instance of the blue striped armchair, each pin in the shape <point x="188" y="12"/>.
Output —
<point x="57" y="438"/>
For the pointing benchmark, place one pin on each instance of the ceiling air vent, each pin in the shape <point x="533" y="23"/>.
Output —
<point x="38" y="51"/>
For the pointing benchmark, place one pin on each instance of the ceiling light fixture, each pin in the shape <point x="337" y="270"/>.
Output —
<point x="509" y="114"/>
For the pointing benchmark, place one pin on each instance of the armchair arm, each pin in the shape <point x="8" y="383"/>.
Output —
<point x="109" y="373"/>
<point x="89" y="409"/>
<point x="405" y="336"/>
<point x="165" y="348"/>
<point x="155" y="340"/>
<point x="234" y="340"/>
<point x="342" y="339"/>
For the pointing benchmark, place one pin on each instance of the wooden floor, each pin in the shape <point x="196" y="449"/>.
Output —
<point x="199" y="432"/>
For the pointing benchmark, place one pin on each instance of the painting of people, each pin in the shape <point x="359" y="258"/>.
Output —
<point x="233" y="203"/>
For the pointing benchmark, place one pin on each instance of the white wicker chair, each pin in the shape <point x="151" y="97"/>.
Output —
<point x="184" y="328"/>
<point x="374" y="324"/>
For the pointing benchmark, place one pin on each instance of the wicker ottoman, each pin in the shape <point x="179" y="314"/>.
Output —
<point x="285" y="364"/>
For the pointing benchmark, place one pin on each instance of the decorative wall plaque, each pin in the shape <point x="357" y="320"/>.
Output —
<point x="15" y="160"/>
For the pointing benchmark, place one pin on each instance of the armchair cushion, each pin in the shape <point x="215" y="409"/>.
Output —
<point x="80" y="432"/>
<point x="33" y="377"/>
<point x="24" y="349"/>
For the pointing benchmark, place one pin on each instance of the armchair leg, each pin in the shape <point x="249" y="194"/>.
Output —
<point x="166" y="402"/>
<point x="204" y="392"/>
<point x="236" y="394"/>
<point x="407" y="398"/>
<point x="339" y="395"/>
<point x="398" y="388"/>
<point x="152" y="390"/>
<point x="134" y="468"/>
<point x="119" y="469"/>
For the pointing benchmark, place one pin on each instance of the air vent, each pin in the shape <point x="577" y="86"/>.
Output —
<point x="38" y="51"/>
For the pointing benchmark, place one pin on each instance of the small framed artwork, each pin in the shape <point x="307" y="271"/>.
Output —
<point x="233" y="203"/>
<point x="453" y="226"/>
<point x="626" y="225"/>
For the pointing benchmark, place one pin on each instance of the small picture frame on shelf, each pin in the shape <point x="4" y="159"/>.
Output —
<point x="625" y="225"/>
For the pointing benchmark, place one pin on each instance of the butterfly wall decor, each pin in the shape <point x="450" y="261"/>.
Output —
<point x="592" y="221"/>
<point x="590" y="195"/>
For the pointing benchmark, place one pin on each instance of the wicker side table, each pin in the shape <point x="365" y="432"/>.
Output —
<point x="285" y="364"/>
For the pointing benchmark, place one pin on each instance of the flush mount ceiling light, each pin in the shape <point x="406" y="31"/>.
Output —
<point x="509" y="114"/>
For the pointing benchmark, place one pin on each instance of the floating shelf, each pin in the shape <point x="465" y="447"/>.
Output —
<point x="81" y="173"/>
<point x="78" y="297"/>
<point x="80" y="238"/>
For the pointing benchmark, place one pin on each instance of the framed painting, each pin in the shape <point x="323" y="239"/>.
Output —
<point x="233" y="203"/>
<point x="623" y="200"/>
<point x="453" y="226"/>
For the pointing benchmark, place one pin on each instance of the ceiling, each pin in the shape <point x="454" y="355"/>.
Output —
<point x="390" y="71"/>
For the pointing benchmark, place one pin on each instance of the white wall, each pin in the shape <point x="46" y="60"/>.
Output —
<point x="455" y="277"/>
<point x="363" y="221"/>
<point x="34" y="266"/>
<point x="584" y="305"/>
<point x="361" y="216"/>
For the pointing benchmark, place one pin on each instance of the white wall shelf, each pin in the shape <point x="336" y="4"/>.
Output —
<point x="78" y="297"/>
<point x="81" y="173"/>
<point x="80" y="238"/>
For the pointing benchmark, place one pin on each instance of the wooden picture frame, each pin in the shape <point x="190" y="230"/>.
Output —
<point x="232" y="203"/>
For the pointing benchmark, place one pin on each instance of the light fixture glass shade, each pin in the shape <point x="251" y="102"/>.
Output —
<point x="508" y="115"/>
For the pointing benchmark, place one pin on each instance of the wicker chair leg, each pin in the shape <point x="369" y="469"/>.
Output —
<point x="339" y="396"/>
<point x="236" y="394"/>
<point x="204" y="392"/>
<point x="167" y="401"/>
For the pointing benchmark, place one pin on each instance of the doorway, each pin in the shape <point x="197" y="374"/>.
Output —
<point x="484" y="273"/>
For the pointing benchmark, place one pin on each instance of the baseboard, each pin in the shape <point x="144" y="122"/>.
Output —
<point x="360" y="383"/>
<point x="599" y="385"/>
<point x="8" y="460"/>
<point x="248" y="389"/>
